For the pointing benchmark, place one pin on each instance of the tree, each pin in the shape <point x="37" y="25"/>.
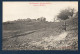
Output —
<point x="28" y="20"/>
<point x="65" y="14"/>
<point x="42" y="19"/>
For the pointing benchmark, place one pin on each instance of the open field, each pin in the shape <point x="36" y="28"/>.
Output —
<point x="40" y="36"/>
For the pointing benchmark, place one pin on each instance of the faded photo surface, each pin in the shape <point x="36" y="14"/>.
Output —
<point x="48" y="25"/>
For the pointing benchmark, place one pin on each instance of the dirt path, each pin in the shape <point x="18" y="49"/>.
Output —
<point x="61" y="36"/>
<point x="49" y="40"/>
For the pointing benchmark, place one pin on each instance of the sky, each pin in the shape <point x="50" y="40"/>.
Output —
<point x="23" y="10"/>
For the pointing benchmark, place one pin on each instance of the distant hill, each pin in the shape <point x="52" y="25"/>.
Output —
<point x="23" y="24"/>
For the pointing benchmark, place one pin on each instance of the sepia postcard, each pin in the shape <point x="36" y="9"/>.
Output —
<point x="40" y="25"/>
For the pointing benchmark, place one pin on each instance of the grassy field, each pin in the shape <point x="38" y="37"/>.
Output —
<point x="40" y="36"/>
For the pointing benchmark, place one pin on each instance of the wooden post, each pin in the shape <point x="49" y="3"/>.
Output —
<point x="65" y="26"/>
